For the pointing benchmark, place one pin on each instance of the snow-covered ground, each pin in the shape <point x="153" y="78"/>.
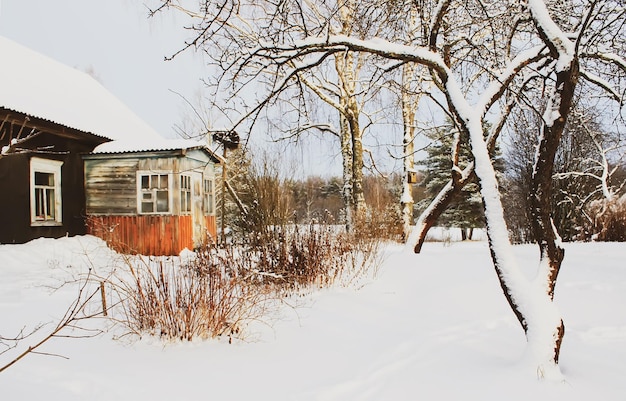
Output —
<point x="433" y="326"/>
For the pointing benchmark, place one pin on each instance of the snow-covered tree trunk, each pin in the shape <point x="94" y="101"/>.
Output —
<point x="358" y="194"/>
<point x="351" y="138"/>
<point x="529" y="301"/>
<point x="437" y="206"/>
<point x="554" y="119"/>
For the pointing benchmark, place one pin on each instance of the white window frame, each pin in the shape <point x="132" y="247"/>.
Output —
<point x="186" y="194"/>
<point x="208" y="197"/>
<point x="140" y="192"/>
<point x="47" y="166"/>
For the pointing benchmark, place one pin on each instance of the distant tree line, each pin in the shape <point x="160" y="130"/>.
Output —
<point x="581" y="211"/>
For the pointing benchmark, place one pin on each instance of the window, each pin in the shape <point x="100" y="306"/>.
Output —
<point x="153" y="193"/>
<point x="209" y="197"/>
<point x="185" y="194"/>
<point x="45" y="193"/>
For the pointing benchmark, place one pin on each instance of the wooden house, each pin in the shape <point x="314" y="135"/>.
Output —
<point x="53" y="116"/>
<point x="41" y="181"/>
<point x="154" y="199"/>
<point x="49" y="115"/>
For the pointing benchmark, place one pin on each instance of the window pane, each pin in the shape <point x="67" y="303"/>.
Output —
<point x="45" y="192"/>
<point x="45" y="179"/>
<point x="162" y="202"/>
<point x="147" y="196"/>
<point x="163" y="181"/>
<point x="185" y="182"/>
<point x="147" y="207"/>
<point x="39" y="204"/>
<point x="145" y="181"/>
<point x="50" y="204"/>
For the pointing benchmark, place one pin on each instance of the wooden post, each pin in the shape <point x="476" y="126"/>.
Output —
<point x="104" y="299"/>
<point x="224" y="197"/>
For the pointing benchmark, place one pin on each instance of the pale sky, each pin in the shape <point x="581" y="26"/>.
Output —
<point x="115" y="41"/>
<point x="124" y="49"/>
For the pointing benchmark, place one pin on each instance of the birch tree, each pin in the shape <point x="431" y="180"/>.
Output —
<point x="412" y="78"/>
<point x="480" y="54"/>
<point x="228" y="30"/>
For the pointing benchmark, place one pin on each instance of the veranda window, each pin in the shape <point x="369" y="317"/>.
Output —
<point x="154" y="193"/>
<point x="209" y="197"/>
<point x="185" y="194"/>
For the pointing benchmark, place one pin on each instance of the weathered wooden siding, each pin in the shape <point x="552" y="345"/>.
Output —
<point x="111" y="186"/>
<point x="111" y="204"/>
<point x="147" y="234"/>
<point x="111" y="183"/>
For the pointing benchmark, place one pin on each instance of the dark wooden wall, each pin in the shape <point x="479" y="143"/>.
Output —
<point x="58" y="144"/>
<point x="15" y="200"/>
<point x="15" y="224"/>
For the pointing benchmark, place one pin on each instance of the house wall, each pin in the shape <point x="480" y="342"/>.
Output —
<point x="111" y="202"/>
<point x="111" y="182"/>
<point x="15" y="219"/>
<point x="111" y="187"/>
<point x="15" y="200"/>
<point x="47" y="140"/>
<point x="147" y="235"/>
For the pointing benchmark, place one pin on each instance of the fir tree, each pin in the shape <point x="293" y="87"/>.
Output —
<point x="466" y="211"/>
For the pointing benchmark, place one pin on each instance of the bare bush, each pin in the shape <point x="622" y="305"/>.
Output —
<point x="206" y="297"/>
<point x="297" y="258"/>
<point x="222" y="288"/>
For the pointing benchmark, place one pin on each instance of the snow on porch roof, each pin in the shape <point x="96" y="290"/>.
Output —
<point x="38" y="86"/>
<point x="162" y="144"/>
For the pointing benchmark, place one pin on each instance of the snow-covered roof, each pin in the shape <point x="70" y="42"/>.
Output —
<point x="162" y="144"/>
<point x="41" y="87"/>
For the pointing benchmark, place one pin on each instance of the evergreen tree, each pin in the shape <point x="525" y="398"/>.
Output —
<point x="466" y="211"/>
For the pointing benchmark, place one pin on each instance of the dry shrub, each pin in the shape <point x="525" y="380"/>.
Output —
<point x="205" y="297"/>
<point x="219" y="290"/>
<point x="297" y="258"/>
<point x="380" y="224"/>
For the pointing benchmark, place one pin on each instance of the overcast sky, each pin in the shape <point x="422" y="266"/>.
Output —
<point x="114" y="40"/>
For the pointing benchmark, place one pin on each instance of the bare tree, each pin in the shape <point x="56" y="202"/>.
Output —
<point x="338" y="80"/>
<point x="479" y="54"/>
<point x="70" y="325"/>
